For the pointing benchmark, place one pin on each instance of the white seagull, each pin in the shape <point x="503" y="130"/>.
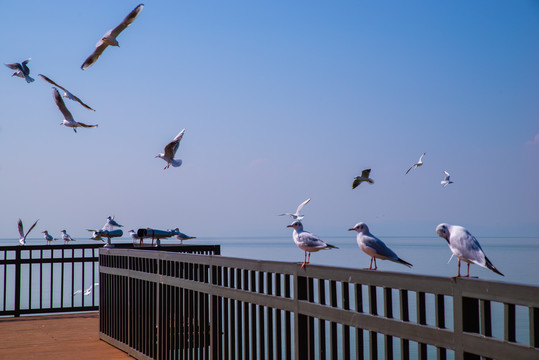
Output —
<point x="67" y="94"/>
<point x="110" y="224"/>
<point x="307" y="242"/>
<point x="465" y="247"/>
<point x="135" y="236"/>
<point x="110" y="37"/>
<point x="446" y="180"/>
<point x="416" y="165"/>
<point x="374" y="247"/>
<point x="22" y="70"/>
<point x="364" y="177"/>
<point x="297" y="215"/>
<point x="68" y="118"/>
<point x="66" y="237"/>
<point x="22" y="238"/>
<point x="87" y="291"/>
<point x="170" y="151"/>
<point x="48" y="237"/>
<point x="181" y="236"/>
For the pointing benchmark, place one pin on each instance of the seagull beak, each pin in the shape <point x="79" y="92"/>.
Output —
<point x="288" y="225"/>
<point x="351" y="229"/>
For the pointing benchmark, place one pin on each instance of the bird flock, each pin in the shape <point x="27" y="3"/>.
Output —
<point x="462" y="244"/>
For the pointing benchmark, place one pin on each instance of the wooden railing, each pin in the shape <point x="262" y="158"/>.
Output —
<point x="159" y="305"/>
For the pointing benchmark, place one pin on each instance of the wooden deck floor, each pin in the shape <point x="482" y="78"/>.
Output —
<point x="66" y="336"/>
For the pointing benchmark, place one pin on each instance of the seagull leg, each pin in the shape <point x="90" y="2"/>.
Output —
<point x="309" y="259"/>
<point x="468" y="274"/>
<point x="458" y="275"/>
<point x="375" y="267"/>
<point x="370" y="266"/>
<point x="304" y="260"/>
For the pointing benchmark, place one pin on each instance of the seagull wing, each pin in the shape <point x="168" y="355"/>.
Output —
<point x="172" y="147"/>
<point x="446" y="175"/>
<point x="61" y="105"/>
<point x="21" y="230"/>
<point x="302" y="205"/>
<point x="101" y="46"/>
<point x="379" y="247"/>
<point x="127" y="21"/>
<point x="31" y="228"/>
<point x="411" y="167"/>
<point x="365" y="173"/>
<point x="421" y="158"/>
<point x="86" y="125"/>
<point x="14" y="66"/>
<point x="356" y="182"/>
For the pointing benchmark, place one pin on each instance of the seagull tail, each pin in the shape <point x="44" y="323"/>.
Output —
<point x="329" y="246"/>
<point x="28" y="79"/>
<point x="176" y="163"/>
<point x="492" y="267"/>
<point x="370" y="181"/>
<point x="400" y="261"/>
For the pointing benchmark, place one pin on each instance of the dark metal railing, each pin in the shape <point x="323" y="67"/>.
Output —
<point x="160" y="305"/>
<point x="39" y="279"/>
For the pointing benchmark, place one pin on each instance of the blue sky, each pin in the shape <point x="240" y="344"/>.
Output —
<point x="281" y="101"/>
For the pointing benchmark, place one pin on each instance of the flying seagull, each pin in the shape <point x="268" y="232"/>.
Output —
<point x="66" y="237"/>
<point x="181" y="236"/>
<point x="374" y="247"/>
<point x="307" y="242"/>
<point x="67" y="94"/>
<point x="170" y="151"/>
<point x="87" y="291"/>
<point x="297" y="215"/>
<point x="446" y="180"/>
<point x="48" y="237"/>
<point x="364" y="177"/>
<point x="416" y="165"/>
<point x="22" y="70"/>
<point x="465" y="247"/>
<point x="68" y="118"/>
<point x="22" y="238"/>
<point x="110" y="37"/>
<point x="111" y="223"/>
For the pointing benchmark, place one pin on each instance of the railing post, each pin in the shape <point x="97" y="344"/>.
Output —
<point x="18" y="275"/>
<point x="470" y="321"/>
<point x="534" y="327"/>
<point x="300" y="321"/>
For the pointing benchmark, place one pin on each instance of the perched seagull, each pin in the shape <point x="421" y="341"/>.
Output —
<point x="67" y="94"/>
<point x="68" y="118"/>
<point x="87" y="291"/>
<point x="446" y="180"/>
<point x="465" y="247"/>
<point x="170" y="151"/>
<point x="307" y="241"/>
<point x="374" y="247"/>
<point x="66" y="237"/>
<point x="48" y="237"/>
<point x="416" y="165"/>
<point x="111" y="223"/>
<point x="181" y="236"/>
<point x="364" y="177"/>
<point x="22" y="238"/>
<point x="22" y="70"/>
<point x="135" y="236"/>
<point x="110" y="37"/>
<point x="296" y="215"/>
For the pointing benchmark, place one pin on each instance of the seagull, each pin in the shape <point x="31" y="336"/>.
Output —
<point x="67" y="94"/>
<point x="446" y="180"/>
<point x="364" y="177"/>
<point x="69" y="122"/>
<point x="465" y="247"/>
<point x="22" y="238"/>
<point x="307" y="242"/>
<point x="111" y="223"/>
<point x="48" y="237"/>
<point x="22" y="70"/>
<point x="87" y="291"/>
<point x="296" y="215"/>
<point x="416" y="165"/>
<point x="135" y="236"/>
<point x="181" y="236"/>
<point x="66" y="237"/>
<point x="170" y="151"/>
<point x="110" y="37"/>
<point x="374" y="247"/>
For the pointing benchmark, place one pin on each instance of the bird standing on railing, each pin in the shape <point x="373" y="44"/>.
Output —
<point x="465" y="247"/>
<point x="110" y="224"/>
<point x="22" y="238"/>
<point x="374" y="247"/>
<point x="48" y="237"/>
<point x="66" y="237"/>
<point x="307" y="242"/>
<point x="181" y="236"/>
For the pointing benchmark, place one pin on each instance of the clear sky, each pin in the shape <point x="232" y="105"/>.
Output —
<point x="281" y="101"/>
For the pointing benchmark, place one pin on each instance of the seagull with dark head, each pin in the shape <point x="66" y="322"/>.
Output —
<point x="374" y="247"/>
<point x="170" y="151"/>
<point x="465" y="247"/>
<point x="110" y="37"/>
<point x="48" y="237"/>
<point x="66" y="237"/>
<point x="363" y="178"/>
<point x="68" y="118"/>
<point x="307" y="242"/>
<point x="22" y="70"/>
